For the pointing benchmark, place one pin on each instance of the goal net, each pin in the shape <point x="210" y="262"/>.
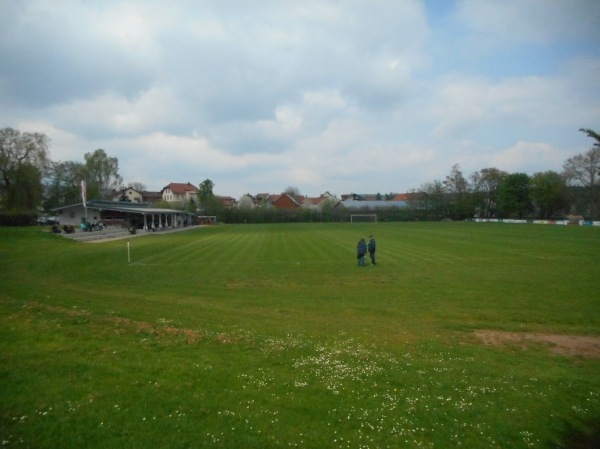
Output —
<point x="363" y="218"/>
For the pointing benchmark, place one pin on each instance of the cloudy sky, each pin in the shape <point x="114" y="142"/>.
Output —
<point x="342" y="96"/>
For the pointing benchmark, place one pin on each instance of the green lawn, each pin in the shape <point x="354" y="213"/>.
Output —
<point x="271" y="336"/>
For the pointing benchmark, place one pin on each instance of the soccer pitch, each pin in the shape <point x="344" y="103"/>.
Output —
<point x="480" y="335"/>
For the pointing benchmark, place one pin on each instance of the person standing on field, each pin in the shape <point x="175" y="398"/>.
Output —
<point x="372" y="247"/>
<point x="361" y="250"/>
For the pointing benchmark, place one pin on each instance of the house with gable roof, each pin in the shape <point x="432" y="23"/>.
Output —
<point x="180" y="193"/>
<point x="285" y="201"/>
<point x="226" y="201"/>
<point x="131" y="195"/>
<point x="151" y="197"/>
<point x="317" y="202"/>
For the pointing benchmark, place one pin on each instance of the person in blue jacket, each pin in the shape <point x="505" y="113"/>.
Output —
<point x="361" y="250"/>
<point x="372" y="247"/>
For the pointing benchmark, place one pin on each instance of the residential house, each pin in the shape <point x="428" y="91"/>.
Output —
<point x="151" y="197"/>
<point x="406" y="196"/>
<point x="285" y="201"/>
<point x="262" y="199"/>
<point x="179" y="193"/>
<point x="317" y="202"/>
<point x="226" y="201"/>
<point x="130" y="195"/>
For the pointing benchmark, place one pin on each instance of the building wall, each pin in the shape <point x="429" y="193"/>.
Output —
<point x="130" y="194"/>
<point x="75" y="215"/>
<point x="183" y="198"/>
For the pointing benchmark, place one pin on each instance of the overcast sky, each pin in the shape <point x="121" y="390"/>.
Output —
<point x="340" y="96"/>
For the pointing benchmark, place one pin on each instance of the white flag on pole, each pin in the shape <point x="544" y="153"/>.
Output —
<point x="83" y="193"/>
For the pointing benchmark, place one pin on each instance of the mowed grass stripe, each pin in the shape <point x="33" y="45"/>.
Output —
<point x="253" y="244"/>
<point x="196" y="247"/>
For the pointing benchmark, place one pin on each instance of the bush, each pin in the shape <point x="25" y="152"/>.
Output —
<point x="17" y="218"/>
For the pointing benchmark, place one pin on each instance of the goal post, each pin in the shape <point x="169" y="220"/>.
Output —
<point x="363" y="218"/>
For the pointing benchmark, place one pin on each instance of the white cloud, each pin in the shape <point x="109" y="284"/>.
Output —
<point x="526" y="156"/>
<point x="359" y="96"/>
<point x="111" y="114"/>
<point x="64" y="145"/>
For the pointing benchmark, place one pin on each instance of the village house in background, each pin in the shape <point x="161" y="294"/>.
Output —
<point x="179" y="193"/>
<point x="182" y="194"/>
<point x="177" y="204"/>
<point x="285" y="201"/>
<point x="132" y="195"/>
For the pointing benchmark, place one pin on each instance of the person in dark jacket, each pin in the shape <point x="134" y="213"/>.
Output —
<point x="361" y="250"/>
<point x="372" y="247"/>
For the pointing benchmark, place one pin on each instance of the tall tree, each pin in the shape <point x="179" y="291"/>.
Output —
<point x="205" y="190"/>
<point x="206" y="197"/>
<point x="139" y="186"/>
<point x="209" y="203"/>
<point x="293" y="191"/>
<point x="26" y="191"/>
<point x="548" y="193"/>
<point x="584" y="170"/>
<point x="593" y="134"/>
<point x="102" y="174"/>
<point x="63" y="184"/>
<point x="457" y="187"/>
<point x="513" y="195"/>
<point x="22" y="154"/>
<point x="434" y="201"/>
<point x="486" y="183"/>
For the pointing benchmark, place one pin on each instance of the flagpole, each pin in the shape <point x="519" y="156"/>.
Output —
<point x="83" y="197"/>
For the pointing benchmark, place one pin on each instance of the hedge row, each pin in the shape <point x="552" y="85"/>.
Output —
<point x="17" y="218"/>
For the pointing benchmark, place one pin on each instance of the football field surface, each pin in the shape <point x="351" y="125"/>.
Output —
<point x="464" y="334"/>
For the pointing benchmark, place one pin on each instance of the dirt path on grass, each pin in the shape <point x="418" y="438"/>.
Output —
<point x="568" y="345"/>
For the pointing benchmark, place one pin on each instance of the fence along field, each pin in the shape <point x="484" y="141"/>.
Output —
<point x="271" y="336"/>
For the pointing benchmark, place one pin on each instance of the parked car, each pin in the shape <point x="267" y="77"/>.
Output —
<point x="47" y="221"/>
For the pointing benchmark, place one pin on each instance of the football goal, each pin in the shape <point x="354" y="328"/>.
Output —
<point x="363" y="218"/>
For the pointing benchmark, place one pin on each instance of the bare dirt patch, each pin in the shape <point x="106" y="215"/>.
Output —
<point x="568" y="345"/>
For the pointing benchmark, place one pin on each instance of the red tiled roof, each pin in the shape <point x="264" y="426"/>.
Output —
<point x="180" y="188"/>
<point x="285" y="201"/>
<point x="401" y="197"/>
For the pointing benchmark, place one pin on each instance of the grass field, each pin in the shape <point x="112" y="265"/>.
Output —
<point x="271" y="336"/>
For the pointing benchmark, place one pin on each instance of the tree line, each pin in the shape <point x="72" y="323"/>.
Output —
<point x="30" y="180"/>
<point x="493" y="193"/>
<point x="486" y="193"/>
